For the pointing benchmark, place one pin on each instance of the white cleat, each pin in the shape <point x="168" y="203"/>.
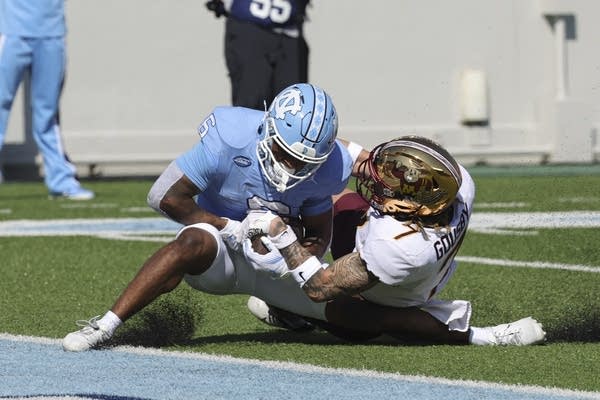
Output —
<point x="524" y="332"/>
<point x="277" y="317"/>
<point x="77" y="194"/>
<point x="88" y="337"/>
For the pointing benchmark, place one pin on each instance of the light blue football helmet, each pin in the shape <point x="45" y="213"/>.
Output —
<point x="303" y="122"/>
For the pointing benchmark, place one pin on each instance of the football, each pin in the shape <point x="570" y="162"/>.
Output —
<point x="257" y="244"/>
<point x="255" y="238"/>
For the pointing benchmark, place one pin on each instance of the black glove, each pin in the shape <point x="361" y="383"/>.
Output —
<point x="217" y="7"/>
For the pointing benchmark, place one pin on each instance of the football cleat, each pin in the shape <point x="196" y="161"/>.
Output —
<point x="77" y="193"/>
<point x="524" y="332"/>
<point x="277" y="317"/>
<point x="90" y="336"/>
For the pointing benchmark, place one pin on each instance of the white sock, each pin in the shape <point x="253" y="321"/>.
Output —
<point x="481" y="336"/>
<point x="110" y="322"/>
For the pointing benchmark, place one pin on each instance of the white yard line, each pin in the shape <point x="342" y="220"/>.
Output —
<point x="527" y="264"/>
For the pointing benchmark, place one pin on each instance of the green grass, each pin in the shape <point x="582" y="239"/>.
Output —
<point x="567" y="246"/>
<point x="541" y="193"/>
<point x="49" y="282"/>
<point x="113" y="199"/>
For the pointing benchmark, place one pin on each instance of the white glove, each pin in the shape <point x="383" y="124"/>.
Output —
<point x="257" y="222"/>
<point x="232" y="234"/>
<point x="271" y="262"/>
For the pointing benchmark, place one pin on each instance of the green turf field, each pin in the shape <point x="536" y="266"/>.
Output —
<point x="49" y="282"/>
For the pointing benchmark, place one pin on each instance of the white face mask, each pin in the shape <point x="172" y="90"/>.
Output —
<point x="278" y="174"/>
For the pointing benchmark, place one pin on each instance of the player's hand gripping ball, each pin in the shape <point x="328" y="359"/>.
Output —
<point x="263" y="256"/>
<point x="258" y="244"/>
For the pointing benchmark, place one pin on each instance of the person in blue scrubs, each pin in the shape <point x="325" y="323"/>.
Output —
<point x="32" y="37"/>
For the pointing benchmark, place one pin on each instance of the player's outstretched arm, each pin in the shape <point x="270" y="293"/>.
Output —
<point x="348" y="275"/>
<point x="358" y="154"/>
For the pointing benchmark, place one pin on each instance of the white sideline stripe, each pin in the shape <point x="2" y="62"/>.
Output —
<point x="307" y="368"/>
<point x="510" y="204"/>
<point x="528" y="264"/>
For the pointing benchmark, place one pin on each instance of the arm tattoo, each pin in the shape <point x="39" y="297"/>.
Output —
<point x="295" y="254"/>
<point x="348" y="275"/>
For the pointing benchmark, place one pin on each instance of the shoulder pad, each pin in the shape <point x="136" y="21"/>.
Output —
<point x="237" y="126"/>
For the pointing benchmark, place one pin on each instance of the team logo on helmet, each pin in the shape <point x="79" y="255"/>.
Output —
<point x="288" y="101"/>
<point x="411" y="175"/>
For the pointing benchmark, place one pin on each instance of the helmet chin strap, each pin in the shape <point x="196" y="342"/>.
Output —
<point x="266" y="115"/>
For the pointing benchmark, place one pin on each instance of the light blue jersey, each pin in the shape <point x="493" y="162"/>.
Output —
<point x="32" y="39"/>
<point x="224" y="165"/>
<point x="32" y="18"/>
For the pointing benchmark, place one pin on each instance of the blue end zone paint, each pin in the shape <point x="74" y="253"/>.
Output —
<point x="79" y="396"/>
<point x="45" y="370"/>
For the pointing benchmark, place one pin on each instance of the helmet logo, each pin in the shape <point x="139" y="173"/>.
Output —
<point x="288" y="101"/>
<point x="411" y="175"/>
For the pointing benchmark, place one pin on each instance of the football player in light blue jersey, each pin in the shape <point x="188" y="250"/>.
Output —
<point x="33" y="37"/>
<point x="286" y="160"/>
<point x="236" y="172"/>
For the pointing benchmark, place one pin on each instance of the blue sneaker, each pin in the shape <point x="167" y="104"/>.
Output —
<point x="77" y="193"/>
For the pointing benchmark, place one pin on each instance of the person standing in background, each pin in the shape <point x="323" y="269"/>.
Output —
<point x="32" y="37"/>
<point x="265" y="49"/>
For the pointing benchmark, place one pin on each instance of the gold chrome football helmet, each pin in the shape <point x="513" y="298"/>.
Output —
<point x="409" y="177"/>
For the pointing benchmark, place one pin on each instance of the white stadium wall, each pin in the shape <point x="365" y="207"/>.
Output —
<point x="495" y="81"/>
